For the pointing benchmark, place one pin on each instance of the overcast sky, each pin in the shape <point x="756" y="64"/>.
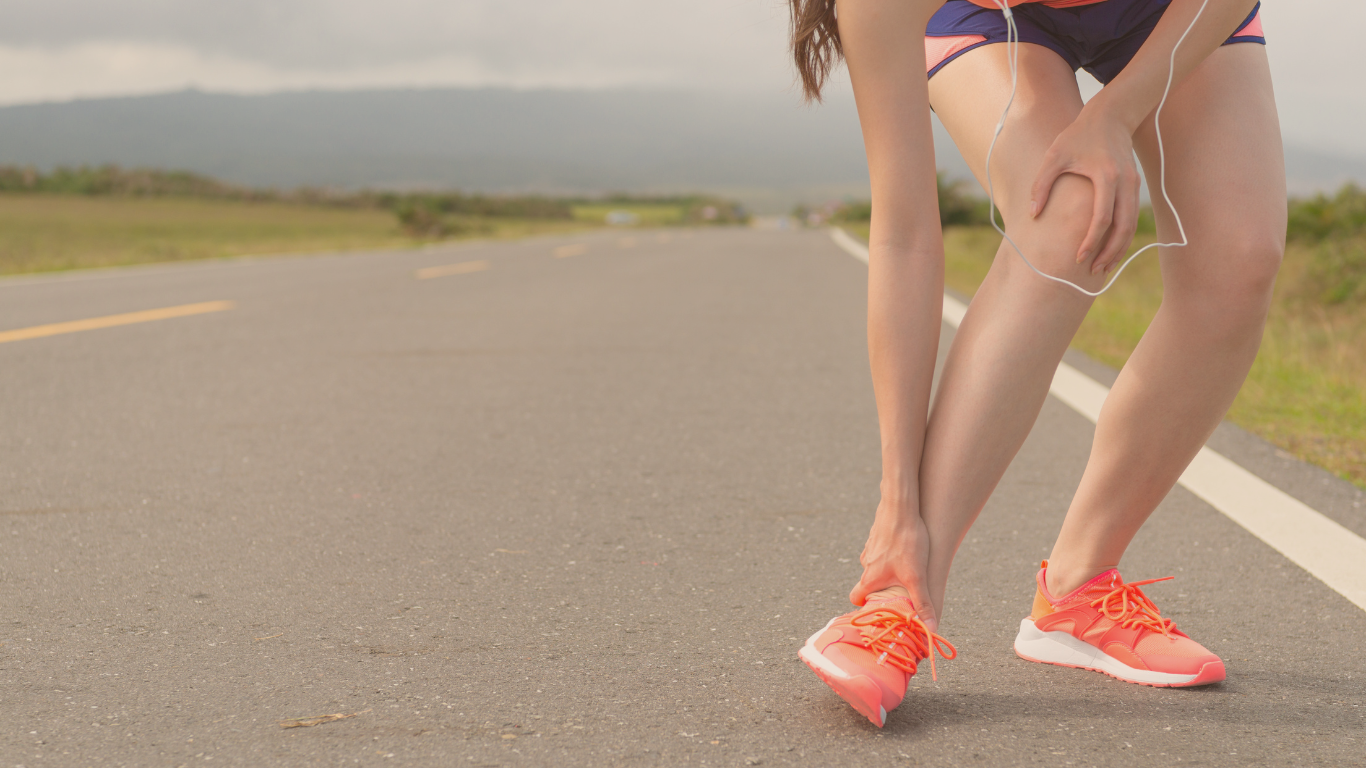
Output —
<point x="62" y="49"/>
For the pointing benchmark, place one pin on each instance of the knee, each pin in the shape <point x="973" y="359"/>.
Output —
<point x="1248" y="282"/>
<point x="1235" y="297"/>
<point x="1051" y="241"/>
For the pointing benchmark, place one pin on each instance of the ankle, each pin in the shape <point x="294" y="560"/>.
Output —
<point x="890" y="593"/>
<point x="1063" y="578"/>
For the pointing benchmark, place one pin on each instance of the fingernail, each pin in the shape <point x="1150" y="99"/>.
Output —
<point x="1084" y="256"/>
<point x="1033" y="209"/>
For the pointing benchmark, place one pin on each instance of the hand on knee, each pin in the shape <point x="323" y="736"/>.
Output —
<point x="1052" y="240"/>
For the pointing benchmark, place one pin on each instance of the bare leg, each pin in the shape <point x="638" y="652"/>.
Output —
<point x="1227" y="179"/>
<point x="1018" y="326"/>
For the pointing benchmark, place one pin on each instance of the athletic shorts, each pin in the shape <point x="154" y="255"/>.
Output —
<point x="1100" y="38"/>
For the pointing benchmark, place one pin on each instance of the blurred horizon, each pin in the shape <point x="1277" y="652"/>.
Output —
<point x="766" y="151"/>
<point x="65" y="49"/>
<point x="696" y="96"/>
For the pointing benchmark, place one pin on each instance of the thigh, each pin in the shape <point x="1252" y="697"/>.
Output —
<point x="968" y="95"/>
<point x="970" y="92"/>
<point x="1225" y="174"/>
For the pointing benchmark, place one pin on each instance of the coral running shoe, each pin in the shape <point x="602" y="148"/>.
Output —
<point x="869" y="655"/>
<point x="1112" y="627"/>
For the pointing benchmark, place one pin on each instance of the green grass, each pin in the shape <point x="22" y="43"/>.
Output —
<point x="1306" y="392"/>
<point x="650" y="215"/>
<point x="47" y="232"/>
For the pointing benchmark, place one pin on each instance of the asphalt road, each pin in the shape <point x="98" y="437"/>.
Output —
<point x="560" y="511"/>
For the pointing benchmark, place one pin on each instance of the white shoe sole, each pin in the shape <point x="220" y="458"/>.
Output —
<point x="1061" y="648"/>
<point x="813" y="657"/>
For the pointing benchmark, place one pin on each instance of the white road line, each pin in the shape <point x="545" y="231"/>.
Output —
<point x="1329" y="552"/>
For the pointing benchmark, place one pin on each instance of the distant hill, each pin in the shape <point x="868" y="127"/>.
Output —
<point x="487" y="139"/>
<point x="764" y="147"/>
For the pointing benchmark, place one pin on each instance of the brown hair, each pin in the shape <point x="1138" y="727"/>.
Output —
<point x="815" y="43"/>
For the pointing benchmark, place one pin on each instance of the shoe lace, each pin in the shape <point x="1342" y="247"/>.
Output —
<point x="901" y="639"/>
<point x="1129" y="607"/>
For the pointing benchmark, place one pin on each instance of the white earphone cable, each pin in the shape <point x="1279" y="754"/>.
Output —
<point x="1012" y="55"/>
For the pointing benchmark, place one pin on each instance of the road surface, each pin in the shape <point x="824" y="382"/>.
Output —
<point x="563" y="501"/>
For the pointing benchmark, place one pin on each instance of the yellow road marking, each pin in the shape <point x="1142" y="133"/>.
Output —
<point x="463" y="268"/>
<point x="565" y="251"/>
<point x="110" y="321"/>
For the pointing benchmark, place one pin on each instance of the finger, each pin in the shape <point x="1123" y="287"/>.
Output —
<point x="1043" y="185"/>
<point x="924" y="607"/>
<point x="925" y="610"/>
<point x="866" y="586"/>
<point x="859" y="594"/>
<point x="1102" y="213"/>
<point x="1122" y="231"/>
<point x="871" y="584"/>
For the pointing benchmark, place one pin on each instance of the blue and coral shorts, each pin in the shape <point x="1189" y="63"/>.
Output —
<point x="1100" y="38"/>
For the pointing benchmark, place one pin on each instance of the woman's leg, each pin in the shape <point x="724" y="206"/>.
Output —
<point x="1226" y="177"/>
<point x="1015" y="332"/>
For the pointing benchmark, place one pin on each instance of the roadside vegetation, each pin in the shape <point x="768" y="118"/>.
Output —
<point x="1306" y="392"/>
<point x="75" y="218"/>
<point x="661" y="211"/>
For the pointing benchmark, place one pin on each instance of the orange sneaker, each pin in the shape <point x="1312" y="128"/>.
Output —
<point x="869" y="655"/>
<point x="1112" y="627"/>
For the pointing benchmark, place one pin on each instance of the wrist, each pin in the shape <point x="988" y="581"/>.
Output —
<point x="1113" y="106"/>
<point x="900" y="481"/>
<point x="899" y="502"/>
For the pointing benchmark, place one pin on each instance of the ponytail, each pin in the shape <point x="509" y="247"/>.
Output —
<point x="815" y="43"/>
